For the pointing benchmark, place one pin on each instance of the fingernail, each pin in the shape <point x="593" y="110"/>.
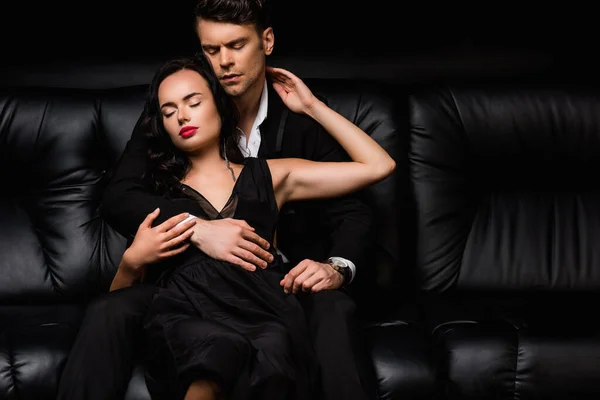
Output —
<point x="286" y="291"/>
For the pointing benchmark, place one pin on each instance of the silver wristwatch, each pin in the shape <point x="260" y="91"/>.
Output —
<point x="342" y="267"/>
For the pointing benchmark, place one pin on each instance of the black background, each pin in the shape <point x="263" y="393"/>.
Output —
<point x="362" y="31"/>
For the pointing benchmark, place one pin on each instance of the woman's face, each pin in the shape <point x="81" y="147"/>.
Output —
<point x="189" y="113"/>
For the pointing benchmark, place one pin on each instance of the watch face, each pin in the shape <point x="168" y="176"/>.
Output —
<point x="337" y="264"/>
<point x="341" y="268"/>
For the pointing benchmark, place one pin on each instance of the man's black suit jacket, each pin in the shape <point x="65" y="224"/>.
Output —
<point x="314" y="229"/>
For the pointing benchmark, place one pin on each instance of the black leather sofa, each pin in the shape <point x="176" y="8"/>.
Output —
<point x="483" y="254"/>
<point x="507" y="210"/>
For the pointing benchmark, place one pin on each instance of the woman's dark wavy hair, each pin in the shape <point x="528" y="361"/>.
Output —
<point x="167" y="165"/>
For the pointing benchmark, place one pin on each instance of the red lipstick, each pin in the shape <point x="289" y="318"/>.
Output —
<point x="187" y="131"/>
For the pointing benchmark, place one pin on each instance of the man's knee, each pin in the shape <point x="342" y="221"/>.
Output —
<point x="327" y="304"/>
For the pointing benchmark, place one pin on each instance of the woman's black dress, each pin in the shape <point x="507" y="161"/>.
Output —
<point x="215" y="320"/>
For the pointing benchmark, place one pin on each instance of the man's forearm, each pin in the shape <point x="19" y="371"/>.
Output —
<point x="350" y="224"/>
<point x="348" y="218"/>
<point x="124" y="210"/>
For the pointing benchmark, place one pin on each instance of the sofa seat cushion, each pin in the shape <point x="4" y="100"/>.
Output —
<point x="401" y="356"/>
<point x="516" y="347"/>
<point x="34" y="345"/>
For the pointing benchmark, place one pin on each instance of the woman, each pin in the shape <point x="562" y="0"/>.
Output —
<point x="215" y="329"/>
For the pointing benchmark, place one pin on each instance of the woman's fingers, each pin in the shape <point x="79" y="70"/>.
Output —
<point x="177" y="240"/>
<point x="176" y="251"/>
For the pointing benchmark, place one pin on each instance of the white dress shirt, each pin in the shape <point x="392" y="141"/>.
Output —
<point x="250" y="145"/>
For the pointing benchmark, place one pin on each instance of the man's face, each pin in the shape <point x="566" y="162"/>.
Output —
<point x="237" y="53"/>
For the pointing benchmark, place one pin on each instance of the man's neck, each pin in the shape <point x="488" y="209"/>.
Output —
<point x="248" y="106"/>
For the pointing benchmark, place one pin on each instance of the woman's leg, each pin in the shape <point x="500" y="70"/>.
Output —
<point x="202" y="390"/>
<point x="188" y="352"/>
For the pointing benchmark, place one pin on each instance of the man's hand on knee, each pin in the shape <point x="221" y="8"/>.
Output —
<point x="311" y="276"/>
<point x="233" y="241"/>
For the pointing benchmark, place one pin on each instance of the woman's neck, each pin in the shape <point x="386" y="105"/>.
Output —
<point x="206" y="163"/>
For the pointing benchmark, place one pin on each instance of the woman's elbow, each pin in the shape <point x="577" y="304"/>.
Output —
<point x="386" y="168"/>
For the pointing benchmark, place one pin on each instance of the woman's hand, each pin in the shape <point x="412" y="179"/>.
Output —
<point x="153" y="244"/>
<point x="294" y="93"/>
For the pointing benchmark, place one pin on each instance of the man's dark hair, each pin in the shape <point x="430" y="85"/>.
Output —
<point x="239" y="12"/>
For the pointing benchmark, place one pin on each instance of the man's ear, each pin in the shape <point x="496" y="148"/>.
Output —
<point x="268" y="39"/>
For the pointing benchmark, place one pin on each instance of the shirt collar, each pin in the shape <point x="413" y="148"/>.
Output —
<point x="263" y="107"/>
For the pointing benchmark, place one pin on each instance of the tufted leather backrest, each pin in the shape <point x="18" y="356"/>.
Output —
<point x="58" y="145"/>
<point x="55" y="148"/>
<point x="506" y="187"/>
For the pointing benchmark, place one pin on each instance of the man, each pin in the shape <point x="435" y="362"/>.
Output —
<point x="324" y="241"/>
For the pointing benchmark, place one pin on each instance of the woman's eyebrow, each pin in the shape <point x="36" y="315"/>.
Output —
<point x="186" y="97"/>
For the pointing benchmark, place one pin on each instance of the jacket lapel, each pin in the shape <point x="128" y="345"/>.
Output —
<point x="272" y="124"/>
